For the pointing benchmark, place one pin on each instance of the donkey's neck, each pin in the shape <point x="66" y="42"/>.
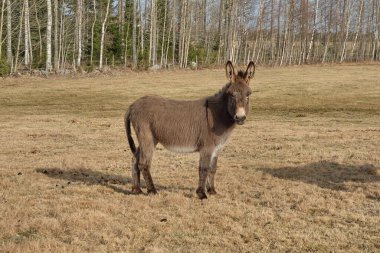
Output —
<point x="218" y="117"/>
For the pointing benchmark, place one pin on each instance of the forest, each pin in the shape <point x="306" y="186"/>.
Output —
<point x="64" y="36"/>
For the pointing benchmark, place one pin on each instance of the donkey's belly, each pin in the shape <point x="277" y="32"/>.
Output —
<point x="181" y="149"/>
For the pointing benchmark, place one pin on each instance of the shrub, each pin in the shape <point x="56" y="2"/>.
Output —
<point x="5" y="68"/>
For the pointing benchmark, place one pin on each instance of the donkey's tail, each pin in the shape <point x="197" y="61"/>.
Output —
<point x="127" y="122"/>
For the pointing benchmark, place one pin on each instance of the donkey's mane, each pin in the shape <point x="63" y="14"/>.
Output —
<point x="217" y="96"/>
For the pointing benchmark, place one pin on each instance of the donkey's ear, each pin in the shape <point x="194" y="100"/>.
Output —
<point x="230" y="72"/>
<point x="250" y="72"/>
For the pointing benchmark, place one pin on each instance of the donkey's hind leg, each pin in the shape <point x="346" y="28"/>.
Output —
<point x="136" y="189"/>
<point x="147" y="145"/>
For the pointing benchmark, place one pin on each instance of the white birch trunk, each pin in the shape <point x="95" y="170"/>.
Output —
<point x="102" y="35"/>
<point x="1" y="26"/>
<point x="9" y="32"/>
<point x="19" y="38"/>
<point x="174" y="31"/>
<point x="163" y="35"/>
<point x="314" y="28"/>
<point x="134" y="36"/>
<point x="343" y="54"/>
<point x="141" y="23"/>
<point x="79" y="17"/>
<point x="61" y="51"/>
<point x="27" y="58"/>
<point x="92" y="33"/>
<point x="56" y="62"/>
<point x="48" y="37"/>
<point x="359" y="22"/>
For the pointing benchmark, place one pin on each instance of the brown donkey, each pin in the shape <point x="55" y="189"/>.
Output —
<point x="202" y="126"/>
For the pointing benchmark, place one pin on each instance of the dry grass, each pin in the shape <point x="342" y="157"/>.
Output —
<point x="303" y="174"/>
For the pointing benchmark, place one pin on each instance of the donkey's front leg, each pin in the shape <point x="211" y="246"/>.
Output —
<point x="211" y="175"/>
<point x="204" y="165"/>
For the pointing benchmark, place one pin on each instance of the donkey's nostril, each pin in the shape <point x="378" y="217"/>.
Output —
<point x="239" y="118"/>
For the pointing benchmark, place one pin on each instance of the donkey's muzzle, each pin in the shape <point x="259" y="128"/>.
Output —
<point x="240" y="120"/>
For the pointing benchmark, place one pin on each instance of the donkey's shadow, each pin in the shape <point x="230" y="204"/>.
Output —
<point x="330" y="175"/>
<point x="91" y="177"/>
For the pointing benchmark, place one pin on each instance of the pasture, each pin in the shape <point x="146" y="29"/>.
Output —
<point x="301" y="175"/>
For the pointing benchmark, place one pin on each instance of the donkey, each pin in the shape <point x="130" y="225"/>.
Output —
<point x="202" y="125"/>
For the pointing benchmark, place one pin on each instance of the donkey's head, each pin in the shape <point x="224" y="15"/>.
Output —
<point x="238" y="91"/>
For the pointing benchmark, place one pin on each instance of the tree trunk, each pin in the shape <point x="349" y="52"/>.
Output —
<point x="92" y="33"/>
<point x="359" y="22"/>
<point x="342" y="56"/>
<point x="163" y="35"/>
<point x="204" y="17"/>
<point x="328" y="32"/>
<point x="141" y="23"/>
<point x="153" y="33"/>
<point x="79" y="31"/>
<point x="168" y="41"/>
<point x="61" y="52"/>
<point x="183" y="34"/>
<point x="314" y="29"/>
<point x="376" y="23"/>
<point x="134" y="35"/>
<point x="103" y="34"/>
<point x="48" y="37"/>
<point x="283" y="50"/>
<point x="27" y="41"/>
<point x="220" y="21"/>
<point x="56" y="62"/>
<point x="9" y="33"/>
<point x="39" y="31"/>
<point x="1" y="26"/>
<point x="121" y="16"/>
<point x="19" y="37"/>
<point x="174" y="31"/>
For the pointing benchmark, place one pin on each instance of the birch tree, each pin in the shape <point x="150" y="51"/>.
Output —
<point x="48" y="37"/>
<point x="39" y="29"/>
<point x="103" y="34"/>
<point x="1" y="26"/>
<point x="92" y="32"/>
<point x="79" y="31"/>
<point x="347" y="28"/>
<point x="9" y="32"/>
<point x="153" y="33"/>
<point x="314" y="29"/>
<point x="56" y="49"/>
<point x="134" y="35"/>
<point x="27" y="40"/>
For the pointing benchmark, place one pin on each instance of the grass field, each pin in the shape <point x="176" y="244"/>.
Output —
<point x="302" y="175"/>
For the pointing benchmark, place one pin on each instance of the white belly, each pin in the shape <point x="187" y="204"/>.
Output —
<point x="181" y="149"/>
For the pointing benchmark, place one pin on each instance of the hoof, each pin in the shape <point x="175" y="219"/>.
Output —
<point x="211" y="191"/>
<point x="201" y="194"/>
<point x="136" y="190"/>
<point x="152" y="191"/>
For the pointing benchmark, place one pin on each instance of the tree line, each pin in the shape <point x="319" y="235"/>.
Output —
<point x="83" y="35"/>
